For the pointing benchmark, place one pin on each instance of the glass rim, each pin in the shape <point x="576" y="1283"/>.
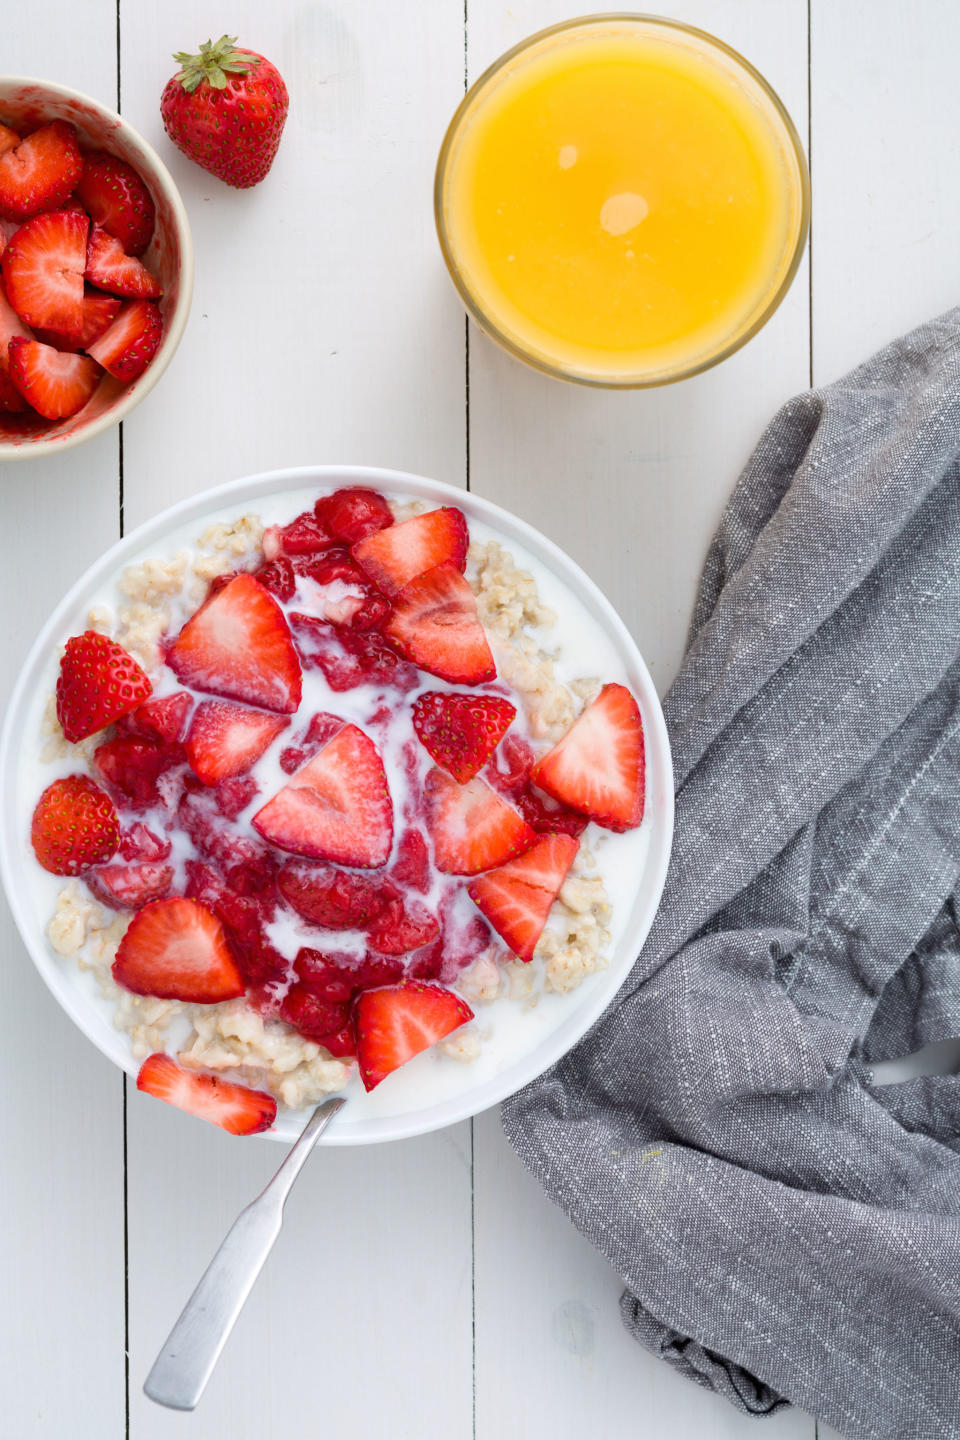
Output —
<point x="633" y="382"/>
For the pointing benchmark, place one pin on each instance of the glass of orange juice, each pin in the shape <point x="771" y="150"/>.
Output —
<point x="622" y="200"/>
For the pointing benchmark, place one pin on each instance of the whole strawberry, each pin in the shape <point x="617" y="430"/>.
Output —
<point x="99" y="681"/>
<point x="226" y="109"/>
<point x="74" y="826"/>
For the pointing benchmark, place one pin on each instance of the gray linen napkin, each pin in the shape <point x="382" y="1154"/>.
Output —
<point x="785" y="1226"/>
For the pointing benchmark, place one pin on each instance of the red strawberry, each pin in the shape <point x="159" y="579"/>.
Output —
<point x="323" y="726"/>
<point x="226" y="740"/>
<point x="235" y="1108"/>
<point x="133" y="766"/>
<point x="43" y="272"/>
<point x="341" y="1045"/>
<point x="353" y="513"/>
<point x="435" y="624"/>
<point x="395" y="556"/>
<point x="598" y="766"/>
<point x="396" y="1023"/>
<point x="8" y="139"/>
<point x="334" y="898"/>
<point x="74" y="826"/>
<point x="11" y="327"/>
<point x="56" y="384"/>
<point x="461" y="732"/>
<point x="401" y="928"/>
<point x="412" y="865"/>
<point x="243" y="918"/>
<point x="176" y="949"/>
<point x="128" y="887"/>
<point x="516" y="898"/>
<point x="110" y="268"/>
<point x="113" y="195"/>
<point x="233" y="796"/>
<point x="225" y="109"/>
<point x="472" y="827"/>
<point x="238" y="645"/>
<point x="98" y="682"/>
<point x="164" y="718"/>
<point x="128" y="345"/>
<point x="548" y="816"/>
<point x="248" y="866"/>
<point x="337" y="807"/>
<point x="139" y="843"/>
<point x="38" y="173"/>
<point x="304" y="536"/>
<point x="347" y="597"/>
<point x="349" y="657"/>
<point x="311" y="1015"/>
<point x="277" y="576"/>
<point x="99" y="312"/>
<point x="324" y="977"/>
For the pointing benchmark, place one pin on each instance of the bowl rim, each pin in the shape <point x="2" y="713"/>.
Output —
<point x="570" y="1030"/>
<point x="175" y="323"/>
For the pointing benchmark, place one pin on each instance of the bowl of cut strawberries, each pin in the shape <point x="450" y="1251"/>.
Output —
<point x="96" y="268"/>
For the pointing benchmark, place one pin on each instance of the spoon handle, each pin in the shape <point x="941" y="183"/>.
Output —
<point x="185" y="1364"/>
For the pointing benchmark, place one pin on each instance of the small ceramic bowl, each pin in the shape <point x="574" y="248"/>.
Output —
<point x="25" y="104"/>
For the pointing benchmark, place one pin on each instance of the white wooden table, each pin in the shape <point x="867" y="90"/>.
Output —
<point x="426" y="1289"/>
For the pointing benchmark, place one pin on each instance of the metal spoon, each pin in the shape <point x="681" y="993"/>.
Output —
<point x="185" y="1364"/>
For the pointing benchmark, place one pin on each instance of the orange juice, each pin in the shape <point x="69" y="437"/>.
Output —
<point x="622" y="200"/>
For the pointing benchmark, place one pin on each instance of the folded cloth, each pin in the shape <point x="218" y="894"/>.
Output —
<point x="787" y="1228"/>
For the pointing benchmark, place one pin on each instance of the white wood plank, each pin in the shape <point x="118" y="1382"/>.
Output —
<point x="61" y="1197"/>
<point x="323" y="329"/>
<point x="630" y="484"/>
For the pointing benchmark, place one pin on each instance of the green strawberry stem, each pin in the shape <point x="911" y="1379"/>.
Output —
<point x="216" y="60"/>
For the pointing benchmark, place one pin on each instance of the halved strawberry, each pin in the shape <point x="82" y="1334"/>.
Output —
<point x="238" y="645"/>
<point x="109" y="267"/>
<point x="337" y="807"/>
<point x="516" y="898"/>
<point x="38" y="173"/>
<point x="400" y="928"/>
<point x="177" y="950"/>
<point x="472" y="827"/>
<point x="400" y="1021"/>
<point x="43" y="272"/>
<point x="163" y="718"/>
<point x="435" y="624"/>
<point x="226" y="740"/>
<point x="312" y="1016"/>
<point x="598" y="766"/>
<point x="235" y="1108"/>
<point x="128" y="345"/>
<point x="353" y="513"/>
<point x="333" y="898"/>
<point x="461" y="732"/>
<point x="74" y="826"/>
<point x="128" y="887"/>
<point x="55" y="383"/>
<point x="395" y="556"/>
<point x="99" y="681"/>
<point x="113" y="194"/>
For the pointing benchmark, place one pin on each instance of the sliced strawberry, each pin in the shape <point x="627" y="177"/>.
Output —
<point x="113" y="195"/>
<point x="401" y="928"/>
<point x="548" y="816"/>
<point x="163" y="718"/>
<point x="395" y="556"/>
<point x="278" y="577"/>
<point x="334" y="898"/>
<point x="129" y="887"/>
<point x="312" y="1016"/>
<point x="128" y="345"/>
<point x="349" y="658"/>
<point x="99" y="311"/>
<point x="235" y="1108"/>
<point x="226" y="740"/>
<point x="74" y="826"/>
<point x="238" y="645"/>
<point x="56" y="384"/>
<point x="396" y="1023"/>
<point x="38" y="173"/>
<point x="304" y="536"/>
<point x="132" y="766"/>
<point x="337" y="807"/>
<point x="472" y="827"/>
<point x="353" y="513"/>
<point x="234" y="795"/>
<point x="461" y="732"/>
<point x="244" y="918"/>
<point x="412" y="865"/>
<point x="177" y="950"/>
<point x="43" y="272"/>
<point x="11" y="401"/>
<point x="109" y="267"/>
<point x="8" y="139"/>
<point x="435" y="625"/>
<point x="99" y="681"/>
<point x="516" y="898"/>
<point x="598" y="766"/>
<point x="140" y="843"/>
<point x="11" y="327"/>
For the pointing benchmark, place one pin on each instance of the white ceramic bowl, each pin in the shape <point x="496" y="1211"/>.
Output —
<point x="28" y="103"/>
<point x="381" y="1116"/>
